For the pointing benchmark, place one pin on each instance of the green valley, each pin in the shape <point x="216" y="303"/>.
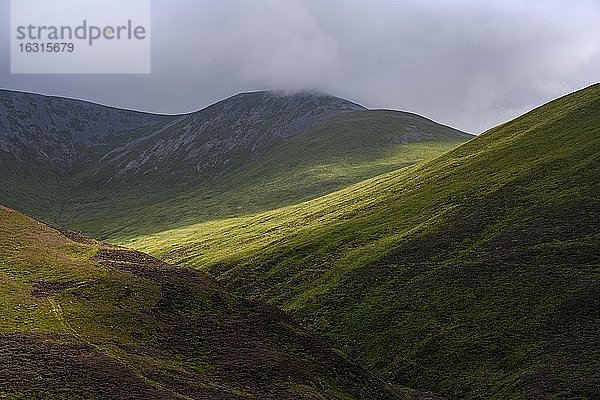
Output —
<point x="147" y="173"/>
<point x="82" y="319"/>
<point x="473" y="275"/>
<point x="300" y="200"/>
<point x="308" y="247"/>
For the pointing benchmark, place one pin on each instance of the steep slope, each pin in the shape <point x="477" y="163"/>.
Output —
<point x="45" y="141"/>
<point x="81" y="319"/>
<point x="474" y="275"/>
<point x="117" y="173"/>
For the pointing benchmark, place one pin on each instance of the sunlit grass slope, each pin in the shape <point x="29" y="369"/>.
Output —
<point x="84" y="320"/>
<point x="474" y="275"/>
<point x="342" y="151"/>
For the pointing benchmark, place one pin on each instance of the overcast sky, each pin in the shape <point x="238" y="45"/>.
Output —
<point x="470" y="64"/>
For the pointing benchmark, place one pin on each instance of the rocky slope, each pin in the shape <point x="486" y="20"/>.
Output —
<point x="57" y="133"/>
<point x="67" y="135"/>
<point x="225" y="135"/>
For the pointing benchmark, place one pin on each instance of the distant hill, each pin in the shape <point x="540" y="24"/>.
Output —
<point x="64" y="133"/>
<point x="473" y="275"/>
<point x="117" y="173"/>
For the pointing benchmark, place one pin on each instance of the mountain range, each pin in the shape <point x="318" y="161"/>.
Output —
<point x="304" y="247"/>
<point x="75" y="163"/>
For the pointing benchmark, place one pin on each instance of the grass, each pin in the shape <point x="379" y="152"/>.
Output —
<point x="334" y="154"/>
<point x="81" y="319"/>
<point x="473" y="275"/>
<point x="22" y="263"/>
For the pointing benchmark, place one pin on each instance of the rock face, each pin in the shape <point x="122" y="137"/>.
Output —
<point x="56" y="132"/>
<point x="64" y="134"/>
<point x="225" y="135"/>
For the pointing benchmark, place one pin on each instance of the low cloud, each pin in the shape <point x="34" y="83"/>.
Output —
<point x="466" y="63"/>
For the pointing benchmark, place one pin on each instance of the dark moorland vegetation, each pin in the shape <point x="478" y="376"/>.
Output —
<point x="82" y="320"/>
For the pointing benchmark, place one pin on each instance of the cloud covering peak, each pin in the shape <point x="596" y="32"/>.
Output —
<point x="466" y="63"/>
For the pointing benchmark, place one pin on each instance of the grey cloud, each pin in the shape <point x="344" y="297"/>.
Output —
<point x="466" y="63"/>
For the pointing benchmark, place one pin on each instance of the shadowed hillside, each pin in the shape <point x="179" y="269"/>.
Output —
<point x="81" y="319"/>
<point x="474" y="275"/>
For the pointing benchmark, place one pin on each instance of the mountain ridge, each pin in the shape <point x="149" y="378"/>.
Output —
<point x="56" y="157"/>
<point x="15" y="107"/>
<point x="274" y="92"/>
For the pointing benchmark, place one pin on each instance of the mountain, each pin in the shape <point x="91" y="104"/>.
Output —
<point x="45" y="141"/>
<point x="223" y="136"/>
<point x="117" y="174"/>
<point x="84" y="319"/>
<point x="60" y="134"/>
<point x="472" y="275"/>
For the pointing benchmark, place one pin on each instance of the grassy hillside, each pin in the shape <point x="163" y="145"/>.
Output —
<point x="82" y="320"/>
<point x="474" y="275"/>
<point x="342" y="151"/>
<point x="117" y="174"/>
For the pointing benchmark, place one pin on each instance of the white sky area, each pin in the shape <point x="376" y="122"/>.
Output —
<point x="470" y="64"/>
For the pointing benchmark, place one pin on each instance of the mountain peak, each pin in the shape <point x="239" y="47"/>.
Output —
<point x="307" y="95"/>
<point x="280" y="100"/>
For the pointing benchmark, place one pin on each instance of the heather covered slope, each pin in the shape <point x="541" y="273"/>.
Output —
<point x="80" y="319"/>
<point x="474" y="275"/>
